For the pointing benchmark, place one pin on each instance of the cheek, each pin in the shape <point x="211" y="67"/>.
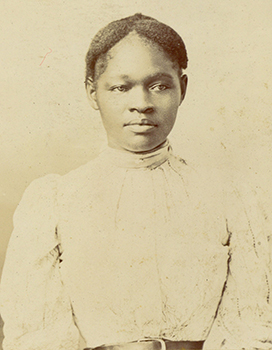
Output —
<point x="168" y="113"/>
<point x="109" y="103"/>
<point x="110" y="114"/>
<point x="106" y="108"/>
<point x="169" y="104"/>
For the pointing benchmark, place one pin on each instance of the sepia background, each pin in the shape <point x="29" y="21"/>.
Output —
<point x="47" y="125"/>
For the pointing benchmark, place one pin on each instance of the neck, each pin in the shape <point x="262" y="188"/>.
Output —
<point x="148" y="159"/>
<point x="140" y="152"/>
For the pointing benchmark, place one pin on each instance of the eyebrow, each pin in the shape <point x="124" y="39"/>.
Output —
<point x="151" y="77"/>
<point x="160" y="75"/>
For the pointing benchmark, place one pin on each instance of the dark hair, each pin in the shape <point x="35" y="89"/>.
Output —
<point x="146" y="27"/>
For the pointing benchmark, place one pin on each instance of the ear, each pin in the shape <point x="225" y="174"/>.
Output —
<point x="91" y="93"/>
<point x="183" y="87"/>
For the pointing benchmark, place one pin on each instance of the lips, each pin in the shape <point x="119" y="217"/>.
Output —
<point x="140" y="126"/>
<point x="141" y="122"/>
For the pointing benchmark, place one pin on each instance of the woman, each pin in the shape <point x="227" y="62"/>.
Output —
<point x="135" y="249"/>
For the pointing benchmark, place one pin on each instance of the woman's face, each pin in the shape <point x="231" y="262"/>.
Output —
<point x="138" y="95"/>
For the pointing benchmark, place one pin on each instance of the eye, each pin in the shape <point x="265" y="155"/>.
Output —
<point x="119" y="88"/>
<point x="159" y="87"/>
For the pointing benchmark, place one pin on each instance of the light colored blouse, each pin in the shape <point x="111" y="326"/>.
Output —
<point x="131" y="246"/>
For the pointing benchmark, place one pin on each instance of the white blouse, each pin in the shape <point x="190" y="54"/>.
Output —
<point x="131" y="246"/>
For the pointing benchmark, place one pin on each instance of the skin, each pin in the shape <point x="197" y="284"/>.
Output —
<point x="138" y="95"/>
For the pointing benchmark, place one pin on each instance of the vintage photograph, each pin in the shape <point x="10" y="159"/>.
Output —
<point x="136" y="202"/>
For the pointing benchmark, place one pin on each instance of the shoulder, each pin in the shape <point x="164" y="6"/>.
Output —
<point x="46" y="190"/>
<point x="246" y="200"/>
<point x="35" y="220"/>
<point x="43" y="184"/>
<point x="205" y="181"/>
<point x="88" y="175"/>
<point x="41" y="190"/>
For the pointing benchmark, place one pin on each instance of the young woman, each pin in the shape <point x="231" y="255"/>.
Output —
<point x="135" y="250"/>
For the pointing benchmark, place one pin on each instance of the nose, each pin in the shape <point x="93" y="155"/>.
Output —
<point x="140" y="101"/>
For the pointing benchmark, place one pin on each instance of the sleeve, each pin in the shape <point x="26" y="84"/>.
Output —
<point x="34" y="306"/>
<point x="244" y="316"/>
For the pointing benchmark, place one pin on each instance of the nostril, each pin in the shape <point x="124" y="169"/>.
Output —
<point x="147" y="110"/>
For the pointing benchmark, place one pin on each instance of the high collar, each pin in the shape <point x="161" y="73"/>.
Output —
<point x="126" y="159"/>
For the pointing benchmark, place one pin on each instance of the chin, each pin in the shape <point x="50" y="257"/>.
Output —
<point x="144" y="147"/>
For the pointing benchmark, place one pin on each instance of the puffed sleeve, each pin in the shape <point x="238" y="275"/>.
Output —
<point x="244" y="317"/>
<point x="34" y="306"/>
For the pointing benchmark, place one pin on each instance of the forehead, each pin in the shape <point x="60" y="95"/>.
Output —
<point x="138" y="56"/>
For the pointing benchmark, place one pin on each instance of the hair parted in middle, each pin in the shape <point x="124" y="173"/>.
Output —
<point x="146" y="27"/>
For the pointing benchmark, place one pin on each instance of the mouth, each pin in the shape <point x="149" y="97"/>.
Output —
<point x="141" y="122"/>
<point x="140" y="126"/>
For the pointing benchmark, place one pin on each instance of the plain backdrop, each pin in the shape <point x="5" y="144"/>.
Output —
<point x="47" y="125"/>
